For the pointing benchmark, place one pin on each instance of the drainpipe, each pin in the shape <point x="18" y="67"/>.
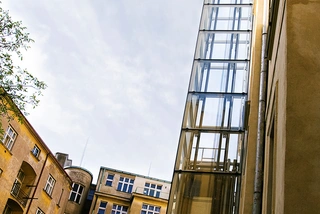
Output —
<point x="35" y="189"/>
<point x="258" y="177"/>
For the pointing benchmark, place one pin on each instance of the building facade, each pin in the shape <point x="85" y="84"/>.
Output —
<point x="81" y="185"/>
<point x="248" y="141"/>
<point x="31" y="180"/>
<point x="119" y="192"/>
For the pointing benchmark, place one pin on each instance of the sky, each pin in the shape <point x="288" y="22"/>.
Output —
<point x="117" y="73"/>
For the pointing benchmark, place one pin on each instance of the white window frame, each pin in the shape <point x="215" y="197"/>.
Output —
<point x="125" y="184"/>
<point x="150" y="209"/>
<point x="156" y="191"/>
<point x="76" y="192"/>
<point x="48" y="188"/>
<point x="9" y="138"/>
<point x="39" y="211"/>
<point x="101" y="208"/>
<point x="109" y="179"/>
<point x="119" y="209"/>
<point x="36" y="151"/>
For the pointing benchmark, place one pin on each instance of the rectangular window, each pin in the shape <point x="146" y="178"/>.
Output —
<point x="18" y="183"/>
<point x="49" y="185"/>
<point x="39" y="211"/>
<point x="125" y="184"/>
<point x="102" y="207"/>
<point x="153" y="190"/>
<point x="90" y="194"/>
<point x="76" y="193"/>
<point x="150" y="209"/>
<point x="9" y="138"/>
<point x="36" y="151"/>
<point x="271" y="170"/>
<point x="119" y="209"/>
<point x="109" y="180"/>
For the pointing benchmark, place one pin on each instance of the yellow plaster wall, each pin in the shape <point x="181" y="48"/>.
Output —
<point x="247" y="184"/>
<point x="302" y="186"/>
<point x="11" y="161"/>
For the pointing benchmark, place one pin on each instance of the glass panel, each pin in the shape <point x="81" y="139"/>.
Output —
<point x="228" y="77"/>
<point x="193" y="195"/>
<point x="220" y="45"/>
<point x="216" y="17"/>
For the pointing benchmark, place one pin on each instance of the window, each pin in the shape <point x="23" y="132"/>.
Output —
<point x="102" y="207"/>
<point x="7" y="210"/>
<point x="152" y="190"/>
<point x="17" y="183"/>
<point x="270" y="181"/>
<point x="109" y="180"/>
<point x="90" y="194"/>
<point x="49" y="185"/>
<point x="76" y="193"/>
<point x="36" y="151"/>
<point x="150" y="209"/>
<point x="119" y="209"/>
<point x="125" y="184"/>
<point x="9" y="138"/>
<point x="39" y="211"/>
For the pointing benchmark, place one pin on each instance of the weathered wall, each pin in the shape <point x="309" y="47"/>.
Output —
<point x="20" y="154"/>
<point x="84" y="178"/>
<point x="246" y="200"/>
<point x="302" y="186"/>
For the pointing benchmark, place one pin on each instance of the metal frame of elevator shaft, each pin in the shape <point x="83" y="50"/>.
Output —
<point x="208" y="167"/>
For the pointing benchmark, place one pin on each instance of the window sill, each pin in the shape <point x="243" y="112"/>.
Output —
<point x="37" y="158"/>
<point x="47" y="194"/>
<point x="6" y="149"/>
<point x="74" y="202"/>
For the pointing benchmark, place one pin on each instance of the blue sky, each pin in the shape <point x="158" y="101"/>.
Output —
<point x="117" y="73"/>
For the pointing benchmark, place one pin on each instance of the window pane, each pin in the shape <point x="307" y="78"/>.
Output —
<point x="119" y="186"/>
<point x="103" y="204"/>
<point x="80" y="189"/>
<point x="130" y="189"/>
<point x="72" y="197"/>
<point x="75" y="187"/>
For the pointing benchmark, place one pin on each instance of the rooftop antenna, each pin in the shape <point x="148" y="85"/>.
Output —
<point x="84" y="150"/>
<point x="149" y="169"/>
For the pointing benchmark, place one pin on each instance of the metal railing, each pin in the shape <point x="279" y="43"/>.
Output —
<point x="19" y="194"/>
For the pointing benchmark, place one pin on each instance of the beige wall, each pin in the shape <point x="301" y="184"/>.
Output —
<point x="302" y="174"/>
<point x="293" y="106"/>
<point x="84" y="178"/>
<point x="247" y="184"/>
<point x="132" y="200"/>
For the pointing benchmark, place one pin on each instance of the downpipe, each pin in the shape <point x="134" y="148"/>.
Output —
<point x="258" y="177"/>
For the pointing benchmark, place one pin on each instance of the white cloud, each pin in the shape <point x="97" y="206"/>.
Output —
<point x="117" y="73"/>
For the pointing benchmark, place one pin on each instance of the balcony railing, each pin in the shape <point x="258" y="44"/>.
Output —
<point x="155" y="194"/>
<point x="20" y="195"/>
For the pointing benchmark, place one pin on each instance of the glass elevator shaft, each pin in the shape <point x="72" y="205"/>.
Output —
<point x="208" y="168"/>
